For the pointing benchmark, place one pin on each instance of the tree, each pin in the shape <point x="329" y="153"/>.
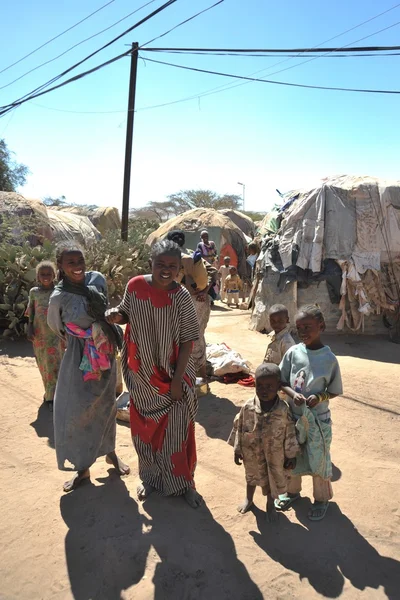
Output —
<point x="12" y="174"/>
<point x="60" y="201"/>
<point x="187" y="199"/>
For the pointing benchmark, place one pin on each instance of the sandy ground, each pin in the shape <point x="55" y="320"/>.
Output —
<point x="99" y="543"/>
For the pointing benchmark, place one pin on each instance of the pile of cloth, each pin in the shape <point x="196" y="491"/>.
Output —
<point x="228" y="365"/>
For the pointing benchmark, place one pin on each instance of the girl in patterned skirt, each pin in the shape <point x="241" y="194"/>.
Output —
<point x="47" y="346"/>
<point x="160" y="375"/>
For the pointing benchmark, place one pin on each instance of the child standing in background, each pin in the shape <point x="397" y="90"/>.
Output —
<point x="311" y="377"/>
<point x="224" y="272"/>
<point x="233" y="285"/>
<point x="47" y="346"/>
<point x="279" y="340"/>
<point x="264" y="438"/>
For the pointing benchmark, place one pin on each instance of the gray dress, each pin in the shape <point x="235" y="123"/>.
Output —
<point x="84" y="411"/>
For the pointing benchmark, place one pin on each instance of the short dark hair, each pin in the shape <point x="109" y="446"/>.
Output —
<point x="177" y="236"/>
<point x="268" y="370"/>
<point x="165" y="247"/>
<point x="311" y="310"/>
<point x="278" y="308"/>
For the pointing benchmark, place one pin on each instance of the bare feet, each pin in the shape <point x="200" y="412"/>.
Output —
<point x="193" y="498"/>
<point x="73" y="483"/>
<point x="120" y="467"/>
<point x="144" y="490"/>
<point x="245" y="506"/>
<point x="271" y="515"/>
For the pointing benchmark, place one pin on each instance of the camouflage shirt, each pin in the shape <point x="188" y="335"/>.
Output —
<point x="264" y="440"/>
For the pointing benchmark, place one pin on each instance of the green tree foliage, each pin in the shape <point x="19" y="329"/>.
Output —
<point x="50" y="201"/>
<point x="12" y="174"/>
<point x="186" y="200"/>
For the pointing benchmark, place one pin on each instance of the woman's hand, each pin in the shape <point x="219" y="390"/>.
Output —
<point x="299" y="399"/>
<point x="176" y="389"/>
<point x="114" y="317"/>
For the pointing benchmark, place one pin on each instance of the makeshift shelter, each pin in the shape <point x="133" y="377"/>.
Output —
<point x="66" y="226"/>
<point x="337" y="245"/>
<point x="228" y="237"/>
<point x="104" y="218"/>
<point x="244" y="222"/>
<point x="23" y="219"/>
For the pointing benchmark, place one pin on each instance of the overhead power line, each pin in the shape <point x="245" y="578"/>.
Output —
<point x="57" y="36"/>
<point x="285" y="83"/>
<point x="180" y="24"/>
<point x="57" y="77"/>
<point x="47" y="62"/>
<point x="274" y="50"/>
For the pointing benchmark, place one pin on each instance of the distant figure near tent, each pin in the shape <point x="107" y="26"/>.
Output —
<point x="207" y="248"/>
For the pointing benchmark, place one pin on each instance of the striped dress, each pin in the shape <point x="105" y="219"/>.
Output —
<point x="162" y="430"/>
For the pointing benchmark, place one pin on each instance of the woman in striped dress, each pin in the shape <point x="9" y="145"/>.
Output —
<point x="160" y="375"/>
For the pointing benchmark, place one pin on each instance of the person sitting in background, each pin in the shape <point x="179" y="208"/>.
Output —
<point x="233" y="285"/>
<point x="224" y="272"/>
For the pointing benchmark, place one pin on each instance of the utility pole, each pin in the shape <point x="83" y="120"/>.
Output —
<point x="243" y="192"/>
<point x="128" y="144"/>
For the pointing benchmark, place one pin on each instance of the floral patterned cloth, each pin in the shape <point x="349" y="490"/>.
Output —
<point x="47" y="346"/>
<point x="96" y="351"/>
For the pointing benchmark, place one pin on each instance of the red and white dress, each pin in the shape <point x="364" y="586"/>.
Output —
<point x="162" y="430"/>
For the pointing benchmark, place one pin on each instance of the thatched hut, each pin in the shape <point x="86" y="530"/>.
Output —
<point x="244" y="222"/>
<point x="228" y="237"/>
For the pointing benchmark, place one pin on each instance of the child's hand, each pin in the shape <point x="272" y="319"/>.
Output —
<point x="312" y="401"/>
<point x="176" y="389"/>
<point x="30" y="332"/>
<point x="238" y="459"/>
<point x="299" y="399"/>
<point x="113" y="316"/>
<point x="289" y="463"/>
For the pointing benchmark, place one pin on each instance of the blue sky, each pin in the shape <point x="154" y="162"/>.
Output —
<point x="263" y="135"/>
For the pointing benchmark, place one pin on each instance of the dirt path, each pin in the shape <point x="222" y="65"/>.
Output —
<point x="98" y="543"/>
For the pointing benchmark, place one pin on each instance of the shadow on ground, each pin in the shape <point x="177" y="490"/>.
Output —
<point x="378" y="348"/>
<point x="18" y="348"/>
<point x="109" y="543"/>
<point x="216" y="415"/>
<point x="327" y="553"/>
<point x="44" y="424"/>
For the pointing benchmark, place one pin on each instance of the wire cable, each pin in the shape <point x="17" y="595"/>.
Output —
<point x="180" y="24"/>
<point x="56" y="37"/>
<point x="57" y="77"/>
<point x="285" y="83"/>
<point x="227" y="86"/>
<point x="274" y="50"/>
<point x="76" y="45"/>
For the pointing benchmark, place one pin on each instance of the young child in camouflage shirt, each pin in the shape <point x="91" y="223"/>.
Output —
<point x="264" y="438"/>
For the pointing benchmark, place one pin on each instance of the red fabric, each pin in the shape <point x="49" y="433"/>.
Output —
<point x="133" y="358"/>
<point x="240" y="378"/>
<point x="227" y="250"/>
<point x="160" y="380"/>
<point x="184" y="462"/>
<point x="145" y="291"/>
<point x="149" y="431"/>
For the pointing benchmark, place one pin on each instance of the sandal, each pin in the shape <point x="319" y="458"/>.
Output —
<point x="318" y="507"/>
<point x="284" y="502"/>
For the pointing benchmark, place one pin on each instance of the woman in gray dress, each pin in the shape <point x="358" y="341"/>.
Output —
<point x="84" y="403"/>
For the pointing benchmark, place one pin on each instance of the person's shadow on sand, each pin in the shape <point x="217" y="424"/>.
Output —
<point x="327" y="552"/>
<point x="216" y="415"/>
<point x="108" y="544"/>
<point x="44" y="424"/>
